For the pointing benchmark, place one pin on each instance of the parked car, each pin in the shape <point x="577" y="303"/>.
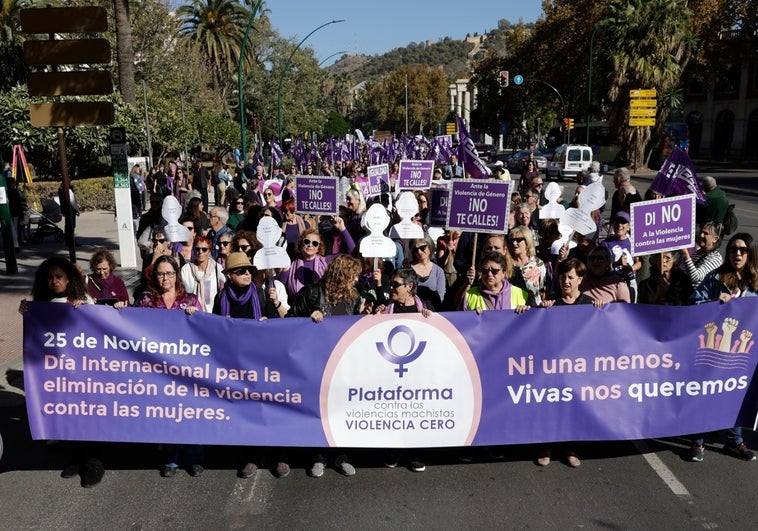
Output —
<point x="569" y="159"/>
<point x="517" y="161"/>
<point x="486" y="152"/>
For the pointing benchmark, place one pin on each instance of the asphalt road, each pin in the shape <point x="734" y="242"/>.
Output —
<point x="621" y="485"/>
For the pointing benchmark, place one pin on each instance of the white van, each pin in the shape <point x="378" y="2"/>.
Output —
<point x="568" y="160"/>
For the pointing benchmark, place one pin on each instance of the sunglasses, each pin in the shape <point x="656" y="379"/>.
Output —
<point x="239" y="202"/>
<point x="314" y="243"/>
<point x="242" y="247"/>
<point x="536" y="185"/>
<point x="738" y="250"/>
<point x="241" y="271"/>
<point x="420" y="248"/>
<point x="395" y="284"/>
<point x="268" y="195"/>
<point x="490" y="271"/>
<point x="514" y="241"/>
<point x="201" y="249"/>
<point x="224" y="244"/>
<point x="159" y="240"/>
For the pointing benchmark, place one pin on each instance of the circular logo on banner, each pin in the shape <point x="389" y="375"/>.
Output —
<point x="397" y="382"/>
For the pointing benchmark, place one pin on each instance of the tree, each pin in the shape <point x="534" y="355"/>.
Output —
<point x="217" y="27"/>
<point x="427" y="102"/>
<point x="12" y="67"/>
<point x="125" y="52"/>
<point x="649" y="42"/>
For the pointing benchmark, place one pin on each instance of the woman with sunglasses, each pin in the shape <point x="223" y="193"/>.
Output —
<point x="524" y="255"/>
<point x="166" y="291"/>
<point x="432" y="281"/>
<point x="310" y="264"/>
<point x="236" y="211"/>
<point x="494" y="291"/>
<point x="223" y="248"/>
<point x="737" y="277"/>
<point x="203" y="276"/>
<point x="292" y="227"/>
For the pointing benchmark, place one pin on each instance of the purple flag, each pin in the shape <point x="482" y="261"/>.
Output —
<point x="257" y="156"/>
<point x="314" y="157"/>
<point x="276" y="153"/>
<point x="299" y="154"/>
<point x="467" y="154"/>
<point x="677" y="176"/>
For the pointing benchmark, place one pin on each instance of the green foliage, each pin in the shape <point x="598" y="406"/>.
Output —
<point x="91" y="194"/>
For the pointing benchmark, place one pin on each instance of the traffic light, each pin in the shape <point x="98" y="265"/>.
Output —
<point x="503" y="78"/>
<point x="565" y="123"/>
<point x="570" y="124"/>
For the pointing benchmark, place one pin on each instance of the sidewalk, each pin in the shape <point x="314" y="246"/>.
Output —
<point x="93" y="229"/>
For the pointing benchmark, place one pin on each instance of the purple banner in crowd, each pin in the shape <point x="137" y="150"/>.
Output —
<point x="677" y="176"/>
<point x="439" y="206"/>
<point x="375" y="182"/>
<point x="318" y="195"/>
<point x="479" y="205"/>
<point x="663" y="225"/>
<point x="560" y="374"/>
<point x="415" y="174"/>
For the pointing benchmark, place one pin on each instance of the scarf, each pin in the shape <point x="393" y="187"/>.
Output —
<point x="249" y="296"/>
<point x="417" y="301"/>
<point x="295" y="279"/>
<point x="200" y="277"/>
<point x="103" y="286"/>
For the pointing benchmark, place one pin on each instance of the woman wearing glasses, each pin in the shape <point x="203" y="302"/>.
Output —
<point x="310" y="264"/>
<point x="236" y="212"/>
<point x="203" y="276"/>
<point x="524" y="254"/>
<point x="494" y="291"/>
<point x="432" y="282"/>
<point x="737" y="277"/>
<point x="166" y="291"/>
<point x="292" y="227"/>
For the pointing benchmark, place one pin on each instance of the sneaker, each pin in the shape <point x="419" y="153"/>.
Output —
<point x="248" y="471"/>
<point x="196" y="470"/>
<point x="343" y="466"/>
<point x="391" y="460"/>
<point x="573" y="460"/>
<point x="93" y="473"/>
<point x="317" y="469"/>
<point x="282" y="470"/>
<point x="544" y="458"/>
<point x="740" y="451"/>
<point x="168" y="471"/>
<point x="417" y="465"/>
<point x="697" y="453"/>
<point x="70" y="471"/>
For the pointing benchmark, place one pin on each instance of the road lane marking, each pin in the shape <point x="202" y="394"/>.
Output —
<point x="664" y="472"/>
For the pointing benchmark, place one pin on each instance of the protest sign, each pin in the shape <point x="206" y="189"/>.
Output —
<point x="662" y="225"/>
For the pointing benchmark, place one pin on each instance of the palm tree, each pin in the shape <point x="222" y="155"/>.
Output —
<point x="649" y="43"/>
<point x="12" y="67"/>
<point x="217" y="28"/>
<point x="125" y="55"/>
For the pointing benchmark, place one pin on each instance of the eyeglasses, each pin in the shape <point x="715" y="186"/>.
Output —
<point x="395" y="284"/>
<point x="314" y="243"/>
<point x="242" y="247"/>
<point x="169" y="274"/>
<point x="514" y="241"/>
<point x="201" y="249"/>
<point x="158" y="240"/>
<point x="224" y="244"/>
<point x="190" y="227"/>
<point x="239" y="202"/>
<point x="738" y="250"/>
<point x="241" y="271"/>
<point x="268" y="195"/>
<point x="490" y="271"/>
<point x="420" y="248"/>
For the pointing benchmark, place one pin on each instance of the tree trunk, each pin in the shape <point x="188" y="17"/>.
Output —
<point x="125" y="52"/>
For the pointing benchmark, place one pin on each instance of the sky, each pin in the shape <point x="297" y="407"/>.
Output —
<point x="373" y="28"/>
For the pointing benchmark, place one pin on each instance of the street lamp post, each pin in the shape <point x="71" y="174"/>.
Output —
<point x="329" y="57"/>
<point x="240" y="94"/>
<point x="147" y="124"/>
<point x="284" y="71"/>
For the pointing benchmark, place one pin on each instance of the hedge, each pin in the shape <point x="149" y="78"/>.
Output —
<point x="91" y="194"/>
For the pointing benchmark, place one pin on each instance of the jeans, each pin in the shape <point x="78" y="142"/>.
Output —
<point x="733" y="437"/>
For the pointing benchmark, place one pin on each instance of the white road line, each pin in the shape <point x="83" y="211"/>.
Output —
<point x="664" y="472"/>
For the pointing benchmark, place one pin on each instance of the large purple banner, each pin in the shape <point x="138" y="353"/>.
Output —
<point x="559" y="374"/>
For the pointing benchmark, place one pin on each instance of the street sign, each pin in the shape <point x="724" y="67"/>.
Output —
<point x="640" y="113"/>
<point x="639" y="122"/>
<point x="518" y="79"/>
<point x="642" y="103"/>
<point x="71" y="113"/>
<point x="63" y="19"/>
<point x="643" y="93"/>
<point x="78" y="83"/>
<point x="68" y="52"/>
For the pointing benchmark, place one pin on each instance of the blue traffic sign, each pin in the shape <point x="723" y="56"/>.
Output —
<point x="518" y="79"/>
